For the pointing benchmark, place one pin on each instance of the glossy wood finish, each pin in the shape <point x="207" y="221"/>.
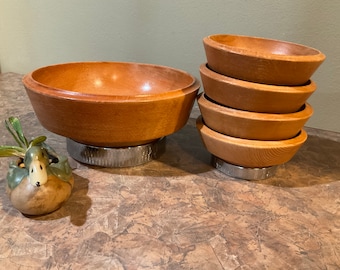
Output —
<point x="254" y="97"/>
<point x="261" y="60"/>
<point x="109" y="103"/>
<point x="249" y="153"/>
<point x="253" y="125"/>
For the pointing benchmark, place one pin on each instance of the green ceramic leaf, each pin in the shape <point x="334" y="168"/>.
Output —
<point x="13" y="124"/>
<point x="8" y="151"/>
<point x="37" y="141"/>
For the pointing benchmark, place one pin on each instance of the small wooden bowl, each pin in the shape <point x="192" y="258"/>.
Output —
<point x="111" y="104"/>
<point x="249" y="153"/>
<point x="253" y="125"/>
<point x="254" y="97"/>
<point x="261" y="60"/>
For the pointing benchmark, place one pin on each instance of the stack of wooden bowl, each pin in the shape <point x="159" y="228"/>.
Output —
<point x="254" y="102"/>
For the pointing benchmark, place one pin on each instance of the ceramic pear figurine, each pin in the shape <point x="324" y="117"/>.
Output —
<point x="40" y="180"/>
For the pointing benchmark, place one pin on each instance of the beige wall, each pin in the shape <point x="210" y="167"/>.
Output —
<point x="34" y="33"/>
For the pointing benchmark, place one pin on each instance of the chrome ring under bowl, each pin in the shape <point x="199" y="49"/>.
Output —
<point x="242" y="172"/>
<point x="115" y="156"/>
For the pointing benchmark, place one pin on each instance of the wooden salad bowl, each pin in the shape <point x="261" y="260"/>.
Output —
<point x="249" y="153"/>
<point x="261" y="60"/>
<point x="112" y="104"/>
<point x="254" y="97"/>
<point x="253" y="125"/>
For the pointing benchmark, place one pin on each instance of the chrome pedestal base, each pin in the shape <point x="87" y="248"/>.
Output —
<point x="242" y="172"/>
<point x="115" y="157"/>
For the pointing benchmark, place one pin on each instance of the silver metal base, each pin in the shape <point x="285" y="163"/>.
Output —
<point x="115" y="157"/>
<point x="243" y="172"/>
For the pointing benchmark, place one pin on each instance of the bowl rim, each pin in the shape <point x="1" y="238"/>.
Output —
<point x="41" y="88"/>
<point x="309" y="87"/>
<point x="317" y="57"/>
<point x="300" y="138"/>
<point x="305" y="112"/>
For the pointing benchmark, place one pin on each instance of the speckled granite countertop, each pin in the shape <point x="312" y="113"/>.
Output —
<point x="177" y="212"/>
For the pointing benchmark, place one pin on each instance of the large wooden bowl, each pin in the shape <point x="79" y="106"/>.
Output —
<point x="254" y="97"/>
<point x="261" y="60"/>
<point x="249" y="153"/>
<point x="253" y="125"/>
<point x="109" y="103"/>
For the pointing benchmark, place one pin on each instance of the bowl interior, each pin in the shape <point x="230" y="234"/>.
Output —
<point x="261" y="46"/>
<point x="112" y="78"/>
